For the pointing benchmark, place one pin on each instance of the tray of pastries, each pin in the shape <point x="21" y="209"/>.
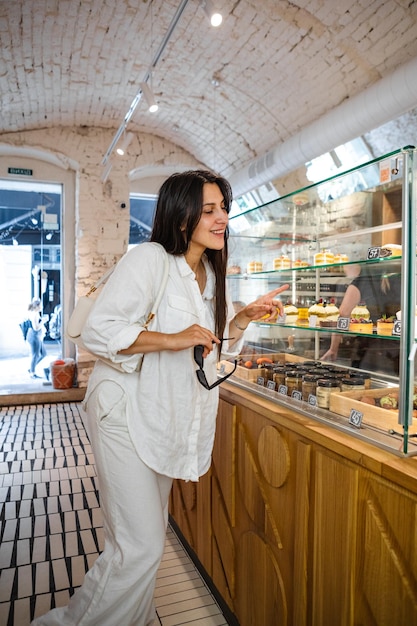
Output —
<point x="379" y="407"/>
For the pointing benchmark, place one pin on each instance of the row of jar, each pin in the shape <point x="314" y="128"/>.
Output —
<point x="310" y="381"/>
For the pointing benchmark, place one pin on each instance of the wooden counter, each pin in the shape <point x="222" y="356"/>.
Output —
<point x="301" y="524"/>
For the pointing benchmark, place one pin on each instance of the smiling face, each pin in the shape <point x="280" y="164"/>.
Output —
<point x="210" y="230"/>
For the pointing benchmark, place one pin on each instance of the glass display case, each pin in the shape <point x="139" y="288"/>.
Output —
<point x="346" y="248"/>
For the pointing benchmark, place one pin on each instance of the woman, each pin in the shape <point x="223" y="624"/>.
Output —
<point x="35" y="336"/>
<point x="150" y="427"/>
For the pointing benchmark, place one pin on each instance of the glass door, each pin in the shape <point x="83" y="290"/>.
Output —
<point x="30" y="272"/>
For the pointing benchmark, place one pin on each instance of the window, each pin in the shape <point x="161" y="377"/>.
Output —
<point x="142" y="210"/>
<point x="35" y="217"/>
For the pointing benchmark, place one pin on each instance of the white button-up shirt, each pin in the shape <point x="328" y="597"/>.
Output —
<point x="171" y="416"/>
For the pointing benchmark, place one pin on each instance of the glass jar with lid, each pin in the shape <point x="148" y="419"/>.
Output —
<point x="294" y="381"/>
<point x="353" y="384"/>
<point x="366" y="378"/>
<point x="279" y="375"/>
<point x="309" y="386"/>
<point x="326" y="386"/>
<point x="269" y="371"/>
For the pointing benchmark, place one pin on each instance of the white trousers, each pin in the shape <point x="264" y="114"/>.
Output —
<point x="118" y="589"/>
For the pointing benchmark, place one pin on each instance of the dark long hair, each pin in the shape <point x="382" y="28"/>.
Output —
<point x="178" y="211"/>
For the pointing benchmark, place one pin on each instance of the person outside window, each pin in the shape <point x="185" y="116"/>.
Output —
<point x="35" y="336"/>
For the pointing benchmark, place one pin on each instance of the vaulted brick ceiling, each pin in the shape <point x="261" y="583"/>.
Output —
<point x="227" y="95"/>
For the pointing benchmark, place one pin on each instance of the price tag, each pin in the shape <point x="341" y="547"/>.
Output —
<point x="343" y="323"/>
<point x="282" y="389"/>
<point x="296" y="395"/>
<point x="397" y="328"/>
<point x="260" y="381"/>
<point x="271" y="385"/>
<point x="374" y="252"/>
<point x="312" y="399"/>
<point x="355" y="418"/>
<point x="385" y="171"/>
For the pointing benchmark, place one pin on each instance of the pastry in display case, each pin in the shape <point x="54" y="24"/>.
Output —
<point x="282" y="263"/>
<point x="254" y="266"/>
<point x="357" y="245"/>
<point x="291" y="313"/>
<point x="360" y="320"/>
<point x="385" y="325"/>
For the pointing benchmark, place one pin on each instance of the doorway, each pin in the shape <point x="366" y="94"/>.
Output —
<point x="30" y="270"/>
<point x="37" y="258"/>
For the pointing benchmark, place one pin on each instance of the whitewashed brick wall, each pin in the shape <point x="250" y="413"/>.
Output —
<point x="101" y="224"/>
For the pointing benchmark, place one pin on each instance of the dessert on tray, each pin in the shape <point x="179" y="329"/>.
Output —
<point x="282" y="262"/>
<point x="385" y="325"/>
<point x="390" y="250"/>
<point x="324" y="257"/>
<point x="330" y="316"/>
<point x="360" y="321"/>
<point x="360" y="311"/>
<point x="302" y="319"/>
<point x="361" y="325"/>
<point x="318" y="310"/>
<point x="341" y="258"/>
<point x="254" y="266"/>
<point x="291" y="313"/>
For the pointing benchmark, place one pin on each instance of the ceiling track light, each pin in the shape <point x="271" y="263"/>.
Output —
<point x="106" y="172"/>
<point x="127" y="138"/>
<point x="214" y="16"/>
<point x="138" y="96"/>
<point x="150" y="98"/>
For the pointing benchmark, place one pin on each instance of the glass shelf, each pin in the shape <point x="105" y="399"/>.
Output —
<point x="323" y="329"/>
<point x="349" y="215"/>
<point x="336" y="267"/>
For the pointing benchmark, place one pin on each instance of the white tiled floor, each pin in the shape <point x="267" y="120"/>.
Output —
<point x="51" y="527"/>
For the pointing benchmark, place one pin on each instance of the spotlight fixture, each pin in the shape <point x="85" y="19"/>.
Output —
<point x="48" y="236"/>
<point x="150" y="98"/>
<point x="214" y="16"/>
<point x="138" y="96"/>
<point x="34" y="221"/>
<point x="127" y="138"/>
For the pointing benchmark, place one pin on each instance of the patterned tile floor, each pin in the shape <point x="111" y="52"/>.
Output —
<point x="51" y="526"/>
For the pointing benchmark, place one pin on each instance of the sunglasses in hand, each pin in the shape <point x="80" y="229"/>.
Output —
<point x="198" y="358"/>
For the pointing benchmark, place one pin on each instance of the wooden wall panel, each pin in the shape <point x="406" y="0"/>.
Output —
<point x="299" y="530"/>
<point x="387" y="571"/>
<point x="224" y="456"/>
<point x="334" y="522"/>
<point x="182" y="502"/>
<point x="223" y="542"/>
<point x="218" y="575"/>
<point x="261" y="594"/>
<point x="264" y="533"/>
<point x="301" y="533"/>
<point x="202" y="521"/>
